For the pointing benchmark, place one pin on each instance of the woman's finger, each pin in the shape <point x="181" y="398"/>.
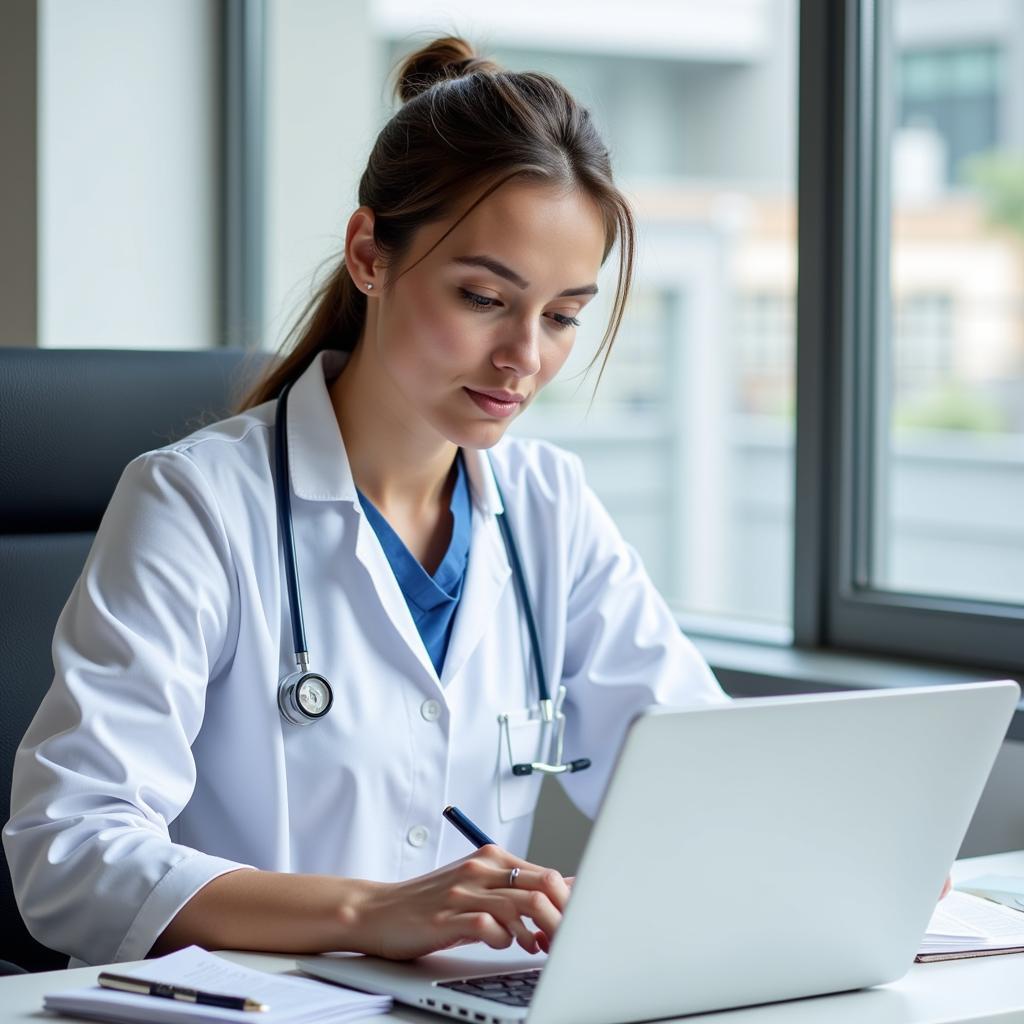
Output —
<point x="535" y="904"/>
<point x="547" y="881"/>
<point x="491" y="867"/>
<point x="475" y="926"/>
<point x="530" y="878"/>
<point x="509" y="908"/>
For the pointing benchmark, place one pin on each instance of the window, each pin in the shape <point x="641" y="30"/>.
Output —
<point x="689" y="440"/>
<point x="953" y="93"/>
<point x="923" y="357"/>
<point x="839" y="455"/>
<point x="765" y="333"/>
<point x="928" y="521"/>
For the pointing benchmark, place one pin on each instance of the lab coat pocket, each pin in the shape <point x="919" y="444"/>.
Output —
<point x="525" y="736"/>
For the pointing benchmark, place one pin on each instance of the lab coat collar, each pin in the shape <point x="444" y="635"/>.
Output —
<point x="318" y="465"/>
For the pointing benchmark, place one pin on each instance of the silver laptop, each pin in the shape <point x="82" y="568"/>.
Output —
<point x="761" y="850"/>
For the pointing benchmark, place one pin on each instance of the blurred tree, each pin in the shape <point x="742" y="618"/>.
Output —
<point x="999" y="178"/>
<point x="953" y="407"/>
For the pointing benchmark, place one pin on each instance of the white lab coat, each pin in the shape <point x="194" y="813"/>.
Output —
<point x="158" y="759"/>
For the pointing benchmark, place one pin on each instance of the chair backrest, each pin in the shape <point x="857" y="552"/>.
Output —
<point x="70" y="420"/>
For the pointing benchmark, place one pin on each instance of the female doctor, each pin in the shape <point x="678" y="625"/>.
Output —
<point x="202" y="772"/>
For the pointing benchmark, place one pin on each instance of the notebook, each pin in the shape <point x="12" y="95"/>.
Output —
<point x="291" y="1000"/>
<point x="965" y="926"/>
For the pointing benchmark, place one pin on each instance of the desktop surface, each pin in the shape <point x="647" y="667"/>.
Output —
<point x="982" y="989"/>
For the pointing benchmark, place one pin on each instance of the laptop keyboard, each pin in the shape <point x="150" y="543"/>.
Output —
<point x="513" y="989"/>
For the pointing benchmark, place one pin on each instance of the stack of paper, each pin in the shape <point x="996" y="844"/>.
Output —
<point x="965" y="926"/>
<point x="291" y="1000"/>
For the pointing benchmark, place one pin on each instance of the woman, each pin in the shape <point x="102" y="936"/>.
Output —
<point x="161" y="795"/>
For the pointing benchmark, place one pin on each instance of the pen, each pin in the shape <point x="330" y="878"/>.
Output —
<point x="123" y="983"/>
<point x="466" y="827"/>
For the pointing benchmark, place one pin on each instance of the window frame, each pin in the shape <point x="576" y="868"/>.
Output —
<point x="843" y="240"/>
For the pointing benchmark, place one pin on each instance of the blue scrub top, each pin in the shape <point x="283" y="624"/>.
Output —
<point x="432" y="600"/>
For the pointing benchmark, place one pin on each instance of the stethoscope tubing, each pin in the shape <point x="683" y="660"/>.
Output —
<point x="282" y="492"/>
<point x="524" y="601"/>
<point x="284" y="520"/>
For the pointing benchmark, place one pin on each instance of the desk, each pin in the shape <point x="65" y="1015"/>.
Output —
<point x="989" y="989"/>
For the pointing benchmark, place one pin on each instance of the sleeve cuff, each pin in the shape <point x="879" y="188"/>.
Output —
<point x="170" y="894"/>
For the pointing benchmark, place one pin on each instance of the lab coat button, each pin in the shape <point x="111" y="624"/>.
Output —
<point x="431" y="710"/>
<point x="418" y="835"/>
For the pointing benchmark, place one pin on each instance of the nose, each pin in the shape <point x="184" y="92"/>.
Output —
<point x="519" y="353"/>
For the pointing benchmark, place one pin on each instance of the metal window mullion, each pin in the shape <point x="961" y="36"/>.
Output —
<point x="862" y="282"/>
<point x="842" y="477"/>
<point x="820" y="196"/>
<point x="846" y="484"/>
<point x="859" y="439"/>
<point x="874" y="530"/>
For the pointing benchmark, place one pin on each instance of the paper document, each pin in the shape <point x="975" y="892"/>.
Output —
<point x="292" y="1000"/>
<point x="967" y="925"/>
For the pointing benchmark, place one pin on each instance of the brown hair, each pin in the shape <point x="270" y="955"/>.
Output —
<point x="465" y="123"/>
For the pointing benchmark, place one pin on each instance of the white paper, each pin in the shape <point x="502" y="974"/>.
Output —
<point x="962" y="922"/>
<point x="291" y="1000"/>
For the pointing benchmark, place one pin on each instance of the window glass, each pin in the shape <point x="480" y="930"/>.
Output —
<point x="953" y="95"/>
<point x="689" y="438"/>
<point x="949" y="483"/>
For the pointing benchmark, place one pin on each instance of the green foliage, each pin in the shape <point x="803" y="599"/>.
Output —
<point x="953" y="407"/>
<point x="999" y="178"/>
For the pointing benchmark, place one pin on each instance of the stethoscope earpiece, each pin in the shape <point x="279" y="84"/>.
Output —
<point x="551" y="769"/>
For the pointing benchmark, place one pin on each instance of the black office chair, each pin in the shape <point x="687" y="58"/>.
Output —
<point x="70" y="420"/>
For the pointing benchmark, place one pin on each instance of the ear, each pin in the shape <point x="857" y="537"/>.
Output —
<point x="360" y="250"/>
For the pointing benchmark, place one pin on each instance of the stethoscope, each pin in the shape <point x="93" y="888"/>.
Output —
<point x="305" y="697"/>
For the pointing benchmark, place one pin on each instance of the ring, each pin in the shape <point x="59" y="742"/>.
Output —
<point x="512" y="876"/>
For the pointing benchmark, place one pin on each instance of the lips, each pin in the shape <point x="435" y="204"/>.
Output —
<point x="499" y="396"/>
<point x="496" y="403"/>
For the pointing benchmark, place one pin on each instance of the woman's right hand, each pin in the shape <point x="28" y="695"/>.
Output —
<point x="467" y="901"/>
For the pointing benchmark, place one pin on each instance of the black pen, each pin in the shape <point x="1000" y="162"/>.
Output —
<point x="123" y="983"/>
<point x="466" y="827"/>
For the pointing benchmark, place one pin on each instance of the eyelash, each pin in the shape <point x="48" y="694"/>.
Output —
<point x="481" y="302"/>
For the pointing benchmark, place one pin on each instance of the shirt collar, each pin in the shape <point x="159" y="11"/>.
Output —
<point x="318" y="464"/>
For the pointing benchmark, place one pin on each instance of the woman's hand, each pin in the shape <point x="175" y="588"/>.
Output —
<point x="948" y="885"/>
<point x="467" y="901"/>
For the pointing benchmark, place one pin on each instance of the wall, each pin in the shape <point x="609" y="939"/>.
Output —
<point x="324" y="107"/>
<point x="129" y="129"/>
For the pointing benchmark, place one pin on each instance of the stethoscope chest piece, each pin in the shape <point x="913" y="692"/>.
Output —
<point x="304" y="697"/>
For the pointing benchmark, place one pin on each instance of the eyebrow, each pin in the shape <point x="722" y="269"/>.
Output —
<point x="499" y="268"/>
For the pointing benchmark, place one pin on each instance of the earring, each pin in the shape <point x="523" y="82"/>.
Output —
<point x="369" y="285"/>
